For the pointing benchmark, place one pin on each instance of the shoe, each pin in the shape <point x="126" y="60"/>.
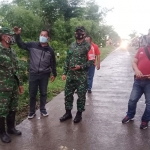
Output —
<point x="78" y="117"/>
<point x="127" y="119"/>
<point x="31" y="115"/>
<point x="66" y="116"/>
<point x="144" y="125"/>
<point x="44" y="113"/>
<point x="89" y="91"/>
<point x="14" y="131"/>
<point x="10" y="120"/>
<point x="3" y="135"/>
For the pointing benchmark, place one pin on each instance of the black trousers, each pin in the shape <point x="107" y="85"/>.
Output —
<point x="38" y="82"/>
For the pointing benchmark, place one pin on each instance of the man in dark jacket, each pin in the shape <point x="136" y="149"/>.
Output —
<point x="42" y="64"/>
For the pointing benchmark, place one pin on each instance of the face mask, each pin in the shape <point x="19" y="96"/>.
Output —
<point x="79" y="36"/>
<point x="43" y="39"/>
<point x="11" y="40"/>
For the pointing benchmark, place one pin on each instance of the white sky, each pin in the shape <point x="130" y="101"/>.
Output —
<point x="128" y="15"/>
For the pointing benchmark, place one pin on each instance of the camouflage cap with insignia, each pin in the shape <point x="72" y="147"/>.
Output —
<point x="5" y="30"/>
<point x="80" y="28"/>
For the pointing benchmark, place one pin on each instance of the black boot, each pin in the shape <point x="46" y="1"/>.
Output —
<point x="3" y="135"/>
<point x="11" y="124"/>
<point x="78" y="117"/>
<point x="66" y="116"/>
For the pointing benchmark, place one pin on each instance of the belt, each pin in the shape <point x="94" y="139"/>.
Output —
<point x="142" y="78"/>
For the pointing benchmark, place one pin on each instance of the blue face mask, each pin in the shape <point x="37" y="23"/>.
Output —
<point x="43" y="39"/>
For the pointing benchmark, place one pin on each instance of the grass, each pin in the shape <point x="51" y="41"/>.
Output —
<point x="105" y="52"/>
<point x="54" y="89"/>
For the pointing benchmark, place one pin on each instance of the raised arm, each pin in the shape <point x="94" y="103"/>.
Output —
<point x="19" y="41"/>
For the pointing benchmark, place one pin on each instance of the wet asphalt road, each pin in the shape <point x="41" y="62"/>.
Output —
<point x="101" y="127"/>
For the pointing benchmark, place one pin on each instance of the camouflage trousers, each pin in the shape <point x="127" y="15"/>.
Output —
<point x="71" y="85"/>
<point x="8" y="101"/>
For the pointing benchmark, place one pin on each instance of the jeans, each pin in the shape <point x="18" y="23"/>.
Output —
<point x="91" y="72"/>
<point x="38" y="82"/>
<point x="140" y="87"/>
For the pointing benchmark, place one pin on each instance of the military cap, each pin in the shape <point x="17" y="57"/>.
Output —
<point x="80" y="28"/>
<point x="5" y="30"/>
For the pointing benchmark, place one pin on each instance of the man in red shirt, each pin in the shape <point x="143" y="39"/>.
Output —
<point x="141" y="66"/>
<point x="93" y="53"/>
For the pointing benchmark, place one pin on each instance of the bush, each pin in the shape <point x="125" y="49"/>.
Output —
<point x="23" y="70"/>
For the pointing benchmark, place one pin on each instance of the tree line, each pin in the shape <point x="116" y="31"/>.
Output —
<point x="60" y="17"/>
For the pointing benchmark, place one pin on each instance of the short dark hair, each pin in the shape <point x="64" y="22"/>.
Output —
<point x="88" y="36"/>
<point x="46" y="31"/>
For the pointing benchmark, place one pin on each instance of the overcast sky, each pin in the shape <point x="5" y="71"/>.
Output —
<point x="128" y="15"/>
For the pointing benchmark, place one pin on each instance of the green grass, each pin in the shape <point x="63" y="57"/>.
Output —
<point x="105" y="52"/>
<point x="54" y="88"/>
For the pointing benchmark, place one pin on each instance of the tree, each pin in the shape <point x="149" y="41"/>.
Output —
<point x="66" y="9"/>
<point x="18" y="16"/>
<point x="95" y="12"/>
<point x="60" y="17"/>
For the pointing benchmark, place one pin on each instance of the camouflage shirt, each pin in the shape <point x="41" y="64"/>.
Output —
<point x="9" y="70"/>
<point x="77" y="55"/>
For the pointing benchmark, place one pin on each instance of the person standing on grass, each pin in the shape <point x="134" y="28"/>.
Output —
<point x="10" y="85"/>
<point x="76" y="66"/>
<point x="42" y="65"/>
<point x="141" y="66"/>
<point x="95" y="51"/>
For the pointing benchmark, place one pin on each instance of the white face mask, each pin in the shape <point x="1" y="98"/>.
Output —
<point x="11" y="40"/>
<point x="43" y="39"/>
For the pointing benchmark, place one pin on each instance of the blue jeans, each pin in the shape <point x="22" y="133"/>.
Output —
<point x="91" y="72"/>
<point x="38" y="82"/>
<point x="140" y="87"/>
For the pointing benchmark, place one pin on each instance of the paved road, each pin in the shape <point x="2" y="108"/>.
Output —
<point x="101" y="127"/>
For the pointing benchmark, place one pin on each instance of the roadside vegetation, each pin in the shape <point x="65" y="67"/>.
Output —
<point x="60" y="17"/>
<point x="106" y="51"/>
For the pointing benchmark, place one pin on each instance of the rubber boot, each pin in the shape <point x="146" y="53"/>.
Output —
<point x="3" y="135"/>
<point x="11" y="124"/>
<point x="66" y="116"/>
<point x="78" y="117"/>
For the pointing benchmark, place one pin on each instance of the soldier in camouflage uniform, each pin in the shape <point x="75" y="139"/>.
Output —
<point x="75" y="68"/>
<point x="9" y="85"/>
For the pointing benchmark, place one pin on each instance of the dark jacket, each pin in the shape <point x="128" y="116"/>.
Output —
<point x="42" y="59"/>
